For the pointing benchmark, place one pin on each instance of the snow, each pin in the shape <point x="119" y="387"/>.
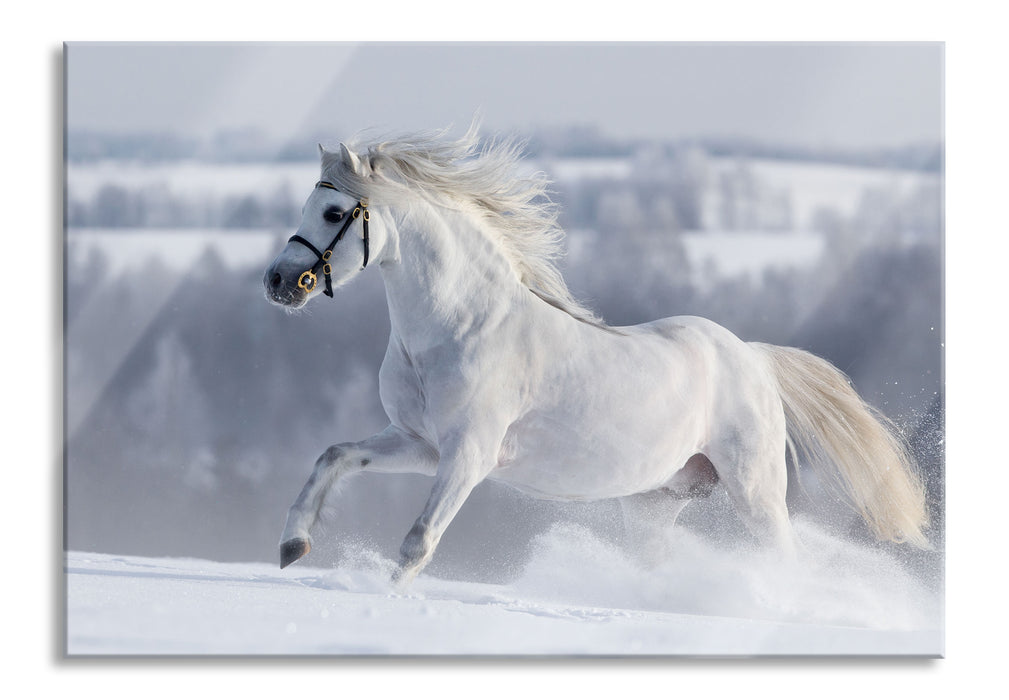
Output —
<point x="128" y="250"/>
<point x="190" y="178"/>
<point x="735" y="253"/>
<point x="814" y="186"/>
<point x="577" y="595"/>
<point x="569" y="170"/>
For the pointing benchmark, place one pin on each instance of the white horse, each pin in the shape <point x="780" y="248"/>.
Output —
<point x="494" y="371"/>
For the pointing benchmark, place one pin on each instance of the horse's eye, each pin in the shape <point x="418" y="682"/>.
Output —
<point x="332" y="215"/>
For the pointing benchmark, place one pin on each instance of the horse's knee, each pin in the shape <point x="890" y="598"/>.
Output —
<point x="332" y="455"/>
<point x="337" y="461"/>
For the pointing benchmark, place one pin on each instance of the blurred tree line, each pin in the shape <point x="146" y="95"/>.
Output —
<point x="246" y="145"/>
<point x="116" y="206"/>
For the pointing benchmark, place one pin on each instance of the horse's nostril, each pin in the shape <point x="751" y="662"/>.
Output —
<point x="276" y="280"/>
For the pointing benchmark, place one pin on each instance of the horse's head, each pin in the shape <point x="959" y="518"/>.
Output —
<point x="337" y="238"/>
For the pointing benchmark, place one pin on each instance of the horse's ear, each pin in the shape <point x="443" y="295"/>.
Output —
<point x="350" y="159"/>
<point x="322" y="150"/>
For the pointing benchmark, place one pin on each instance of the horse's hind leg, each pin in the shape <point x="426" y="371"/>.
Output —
<point x="756" y="481"/>
<point x="647" y="515"/>
<point x="391" y="451"/>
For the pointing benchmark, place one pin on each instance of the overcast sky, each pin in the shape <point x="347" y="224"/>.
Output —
<point x="814" y="94"/>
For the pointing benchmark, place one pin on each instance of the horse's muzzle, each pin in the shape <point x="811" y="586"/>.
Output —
<point x="280" y="291"/>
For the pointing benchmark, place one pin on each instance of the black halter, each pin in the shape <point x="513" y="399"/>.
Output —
<point x="308" y="279"/>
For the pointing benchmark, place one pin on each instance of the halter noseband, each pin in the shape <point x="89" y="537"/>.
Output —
<point x="308" y="279"/>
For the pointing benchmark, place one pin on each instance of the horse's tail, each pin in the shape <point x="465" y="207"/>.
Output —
<point x="829" y="424"/>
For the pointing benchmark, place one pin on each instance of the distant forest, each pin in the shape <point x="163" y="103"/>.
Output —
<point x="250" y="145"/>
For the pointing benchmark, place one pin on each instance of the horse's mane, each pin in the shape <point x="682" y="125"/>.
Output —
<point x="489" y="177"/>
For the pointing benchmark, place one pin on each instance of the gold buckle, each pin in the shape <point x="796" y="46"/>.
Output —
<point x="357" y="212"/>
<point x="307" y="280"/>
<point x="327" y="255"/>
<point x="326" y="269"/>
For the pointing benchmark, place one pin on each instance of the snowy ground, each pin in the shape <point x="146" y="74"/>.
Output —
<point x="575" y="596"/>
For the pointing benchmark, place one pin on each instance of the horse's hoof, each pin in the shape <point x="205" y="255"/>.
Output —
<point x="293" y="550"/>
<point x="402" y="577"/>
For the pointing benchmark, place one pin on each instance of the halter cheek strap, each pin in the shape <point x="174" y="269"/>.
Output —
<point x="308" y="279"/>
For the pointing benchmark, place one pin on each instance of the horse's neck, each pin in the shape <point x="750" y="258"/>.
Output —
<point x="451" y="276"/>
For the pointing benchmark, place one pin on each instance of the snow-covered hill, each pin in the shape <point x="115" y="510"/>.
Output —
<point x="576" y="596"/>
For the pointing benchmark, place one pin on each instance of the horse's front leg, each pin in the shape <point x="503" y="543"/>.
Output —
<point x="391" y="451"/>
<point x="462" y="466"/>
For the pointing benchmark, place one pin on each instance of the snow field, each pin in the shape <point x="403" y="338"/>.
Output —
<point x="577" y="595"/>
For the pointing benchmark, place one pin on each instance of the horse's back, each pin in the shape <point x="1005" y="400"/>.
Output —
<point x="736" y="369"/>
<point x="687" y="329"/>
<point x="715" y="347"/>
